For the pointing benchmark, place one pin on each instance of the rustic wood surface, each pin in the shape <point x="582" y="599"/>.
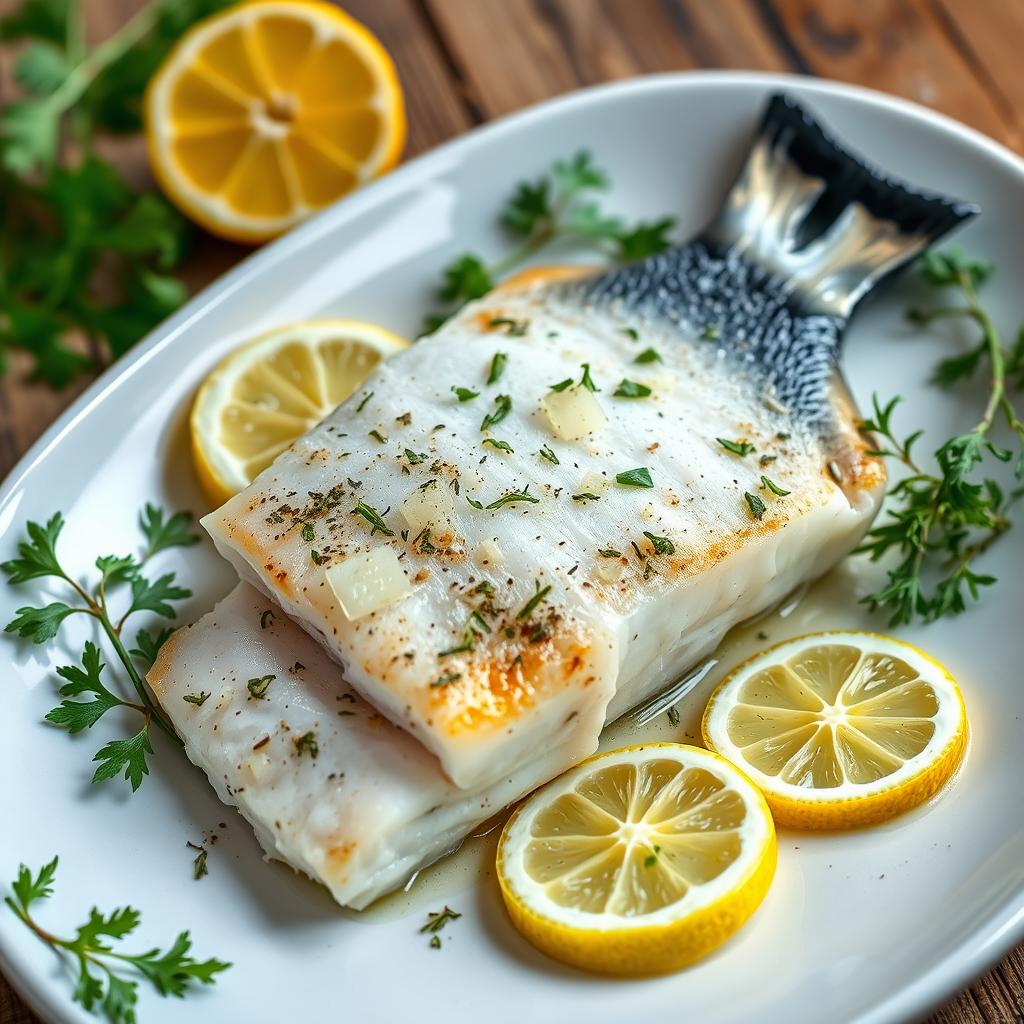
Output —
<point x="463" y="62"/>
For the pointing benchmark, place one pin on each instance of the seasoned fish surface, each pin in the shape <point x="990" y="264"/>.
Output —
<point x="329" y="786"/>
<point x="652" y="455"/>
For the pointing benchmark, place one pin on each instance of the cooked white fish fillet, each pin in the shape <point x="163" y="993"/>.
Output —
<point x="329" y="786"/>
<point x="651" y="455"/>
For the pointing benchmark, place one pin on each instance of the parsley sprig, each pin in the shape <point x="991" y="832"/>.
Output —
<point x="85" y="259"/>
<point x="38" y="559"/>
<point x="556" y="207"/>
<point x="940" y="520"/>
<point x="101" y="985"/>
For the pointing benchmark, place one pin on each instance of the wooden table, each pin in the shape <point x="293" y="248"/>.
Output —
<point x="463" y="62"/>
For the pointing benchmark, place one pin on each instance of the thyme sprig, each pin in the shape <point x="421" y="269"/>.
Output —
<point x="38" y="559"/>
<point x="555" y="207"/>
<point x="101" y="985"/>
<point x="939" y="521"/>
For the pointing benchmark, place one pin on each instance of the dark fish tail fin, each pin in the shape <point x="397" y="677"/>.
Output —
<point x="821" y="219"/>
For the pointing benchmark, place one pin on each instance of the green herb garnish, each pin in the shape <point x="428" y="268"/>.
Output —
<point x="630" y="332"/>
<point x="444" y="680"/>
<point x="497" y="365"/>
<point x="540" y="594"/>
<point x="773" y="487"/>
<point x="366" y="398"/>
<point x="649" y="355"/>
<point x="99" y="985"/>
<point x="415" y="458"/>
<point x="586" y="381"/>
<point x="199" y="698"/>
<point x="257" y="686"/>
<point x="609" y="553"/>
<point x="661" y="545"/>
<point x="38" y="559"/>
<point x="940" y="521"/>
<point x="378" y="436"/>
<point x="740" y="448"/>
<point x="562" y="384"/>
<point x="503" y="446"/>
<point x="586" y="496"/>
<point x="502" y="407"/>
<point x="640" y="477"/>
<point x="546" y="453"/>
<point x="464" y="394"/>
<point x="631" y="389"/>
<point x="511" y="497"/>
<point x="756" y="505"/>
<point x="514" y="329"/>
<point x="199" y="868"/>
<point x="307" y="744"/>
<point x="710" y="332"/>
<point x="308" y="534"/>
<point x="556" y="207"/>
<point x="374" y="518"/>
<point x="266" y="618"/>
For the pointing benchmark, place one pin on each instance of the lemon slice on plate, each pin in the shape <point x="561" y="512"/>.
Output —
<point x="270" y="111"/>
<point x="638" y="861"/>
<point x="266" y="394"/>
<point x="840" y="729"/>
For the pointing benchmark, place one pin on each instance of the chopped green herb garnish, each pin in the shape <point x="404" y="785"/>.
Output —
<point x="782" y="437"/>
<point x="478" y="623"/>
<point x="774" y="487"/>
<point x="474" y="502"/>
<point x="258" y="687"/>
<point x="307" y="744"/>
<point x="673" y="716"/>
<point x="366" y="398"/>
<point x="546" y="453"/>
<point x="378" y="436"/>
<point x="511" y="497"/>
<point x="196" y="698"/>
<point x="497" y="366"/>
<point x="464" y="394"/>
<point x="586" y="496"/>
<point x="630" y="332"/>
<point x="609" y="553"/>
<point x="631" y="389"/>
<point x="503" y="446"/>
<point x="741" y="448"/>
<point x="468" y="644"/>
<point x="422" y="542"/>
<point x="757" y="506"/>
<point x="414" y="457"/>
<point x="199" y="868"/>
<point x="436" y="920"/>
<point x="515" y="329"/>
<point x="562" y="384"/>
<point x="502" y="407"/>
<point x="448" y="677"/>
<point x="764" y="460"/>
<point x="586" y="381"/>
<point x="308" y="534"/>
<point x="640" y="477"/>
<point x="317" y="558"/>
<point x="373" y="517"/>
<point x="435" y="941"/>
<point x="649" y="355"/>
<point x="710" y="333"/>
<point x="531" y="606"/>
<point x="661" y="545"/>
<point x="266" y="618"/>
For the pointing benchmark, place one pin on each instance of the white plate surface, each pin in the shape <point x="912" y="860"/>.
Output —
<point x="875" y="926"/>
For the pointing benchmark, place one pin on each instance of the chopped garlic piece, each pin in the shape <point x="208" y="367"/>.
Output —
<point x="595" y="483"/>
<point x="488" y="553"/>
<point x="429" y="506"/>
<point x="609" y="569"/>
<point x="368" y="582"/>
<point x="573" y="413"/>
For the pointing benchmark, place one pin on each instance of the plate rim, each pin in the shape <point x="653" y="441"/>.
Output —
<point x="987" y="943"/>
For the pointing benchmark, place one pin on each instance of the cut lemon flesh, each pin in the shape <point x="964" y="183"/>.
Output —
<point x="638" y="861"/>
<point x="840" y="729"/>
<point x="266" y="394"/>
<point x="269" y="111"/>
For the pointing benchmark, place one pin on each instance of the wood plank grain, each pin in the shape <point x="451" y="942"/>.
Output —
<point x="898" y="46"/>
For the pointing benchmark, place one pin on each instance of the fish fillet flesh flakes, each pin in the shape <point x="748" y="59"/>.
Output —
<point x="545" y="512"/>
<point x="328" y="784"/>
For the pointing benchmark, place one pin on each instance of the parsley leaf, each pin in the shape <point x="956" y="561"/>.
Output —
<point x="76" y="715"/>
<point x="631" y="389"/>
<point x="741" y="448"/>
<point x="127" y="755"/>
<point x="640" y="477"/>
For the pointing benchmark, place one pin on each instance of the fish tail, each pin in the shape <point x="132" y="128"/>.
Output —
<point x="818" y="217"/>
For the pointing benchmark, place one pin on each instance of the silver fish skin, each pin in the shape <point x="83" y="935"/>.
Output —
<point x="529" y="622"/>
<point x="358" y="806"/>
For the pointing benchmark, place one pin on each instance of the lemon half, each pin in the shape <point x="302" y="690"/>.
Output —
<point x="840" y="729"/>
<point x="638" y="861"/>
<point x="269" y="111"/>
<point x="266" y="394"/>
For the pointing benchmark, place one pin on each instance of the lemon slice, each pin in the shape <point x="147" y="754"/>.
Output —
<point x="266" y="394"/>
<point x="270" y="111"/>
<point x="638" y="861"/>
<point x="840" y="729"/>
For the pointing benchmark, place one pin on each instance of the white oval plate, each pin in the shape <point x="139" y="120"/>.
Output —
<point x="875" y="926"/>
